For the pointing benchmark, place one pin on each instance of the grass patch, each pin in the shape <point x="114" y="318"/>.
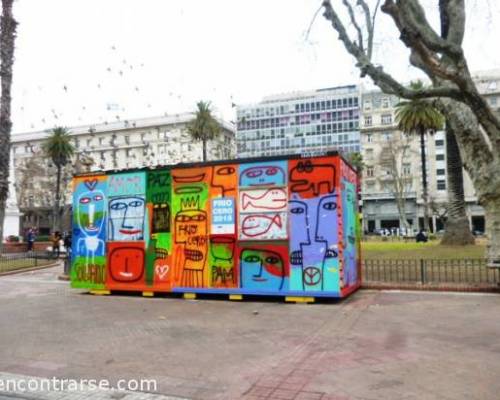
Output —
<point x="413" y="250"/>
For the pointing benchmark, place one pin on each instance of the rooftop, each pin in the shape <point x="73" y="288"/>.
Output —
<point x="126" y="124"/>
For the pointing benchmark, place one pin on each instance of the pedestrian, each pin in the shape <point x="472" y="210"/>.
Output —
<point x="31" y="238"/>
<point x="67" y="242"/>
<point x="56" y="242"/>
<point x="421" y="237"/>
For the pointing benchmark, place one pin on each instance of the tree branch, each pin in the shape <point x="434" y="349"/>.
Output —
<point x="371" y="32"/>
<point x="355" y="23"/>
<point x="410" y="15"/>
<point x="452" y="16"/>
<point x="385" y="81"/>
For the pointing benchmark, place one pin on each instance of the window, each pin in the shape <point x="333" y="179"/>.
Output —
<point x="439" y="157"/>
<point x="369" y="154"/>
<point x="387" y="136"/>
<point x="493" y="101"/>
<point x="369" y="137"/>
<point x="368" y="120"/>
<point x="386" y="119"/>
<point x="440" y="171"/>
<point x="441" y="184"/>
<point x="369" y="172"/>
<point x="439" y="142"/>
<point x="406" y="169"/>
<point x="385" y="102"/>
<point x="368" y="105"/>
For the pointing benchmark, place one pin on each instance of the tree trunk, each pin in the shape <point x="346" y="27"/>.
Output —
<point x="425" y="190"/>
<point x="7" y="38"/>
<point x="204" y="149"/>
<point x="57" y="212"/>
<point x="492" y="217"/>
<point x="457" y="228"/>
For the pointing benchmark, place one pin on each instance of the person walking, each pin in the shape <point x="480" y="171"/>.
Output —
<point x="31" y="239"/>
<point x="56" y="242"/>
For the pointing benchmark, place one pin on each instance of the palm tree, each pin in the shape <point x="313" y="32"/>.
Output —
<point x="7" y="38"/>
<point x="356" y="160"/>
<point x="418" y="117"/>
<point x="204" y="126"/>
<point x="457" y="229"/>
<point x="59" y="149"/>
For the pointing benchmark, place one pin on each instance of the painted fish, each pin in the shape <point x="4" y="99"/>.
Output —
<point x="271" y="199"/>
<point x="259" y="224"/>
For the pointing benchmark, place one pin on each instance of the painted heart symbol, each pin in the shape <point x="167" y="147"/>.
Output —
<point x="91" y="184"/>
<point x="161" y="270"/>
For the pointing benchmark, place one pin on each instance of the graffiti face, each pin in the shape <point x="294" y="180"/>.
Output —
<point x="224" y="178"/>
<point x="263" y="174"/>
<point x="91" y="212"/>
<point x="126" y="263"/>
<point x="191" y="229"/>
<point x="89" y="232"/>
<point x="313" y="244"/>
<point x="306" y="256"/>
<point x="126" y="215"/>
<point x="262" y="269"/>
<point x="327" y="211"/>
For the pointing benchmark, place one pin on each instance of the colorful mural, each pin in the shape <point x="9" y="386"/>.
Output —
<point x="89" y="232"/>
<point x="274" y="226"/>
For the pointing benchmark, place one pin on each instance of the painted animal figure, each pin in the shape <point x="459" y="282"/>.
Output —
<point x="254" y="225"/>
<point x="311" y="180"/>
<point x="264" y="200"/>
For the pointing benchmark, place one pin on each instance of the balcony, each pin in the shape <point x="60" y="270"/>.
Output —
<point x="385" y="196"/>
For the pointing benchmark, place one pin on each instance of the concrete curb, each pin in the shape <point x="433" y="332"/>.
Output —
<point x="22" y="270"/>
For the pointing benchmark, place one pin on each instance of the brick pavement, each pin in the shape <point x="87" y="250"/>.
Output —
<point x="374" y="345"/>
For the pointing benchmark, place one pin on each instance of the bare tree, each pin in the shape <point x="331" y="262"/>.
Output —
<point x="398" y="179"/>
<point x="441" y="57"/>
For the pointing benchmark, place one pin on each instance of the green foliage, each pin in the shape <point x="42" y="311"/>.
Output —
<point x="356" y="160"/>
<point x="418" y="115"/>
<point x="58" y="146"/>
<point x="204" y="127"/>
<point x="43" y="238"/>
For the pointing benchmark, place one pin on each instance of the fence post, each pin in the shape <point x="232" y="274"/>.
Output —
<point x="33" y="254"/>
<point x="422" y="271"/>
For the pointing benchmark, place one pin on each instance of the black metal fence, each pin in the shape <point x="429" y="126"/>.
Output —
<point x="18" y="261"/>
<point x="467" y="272"/>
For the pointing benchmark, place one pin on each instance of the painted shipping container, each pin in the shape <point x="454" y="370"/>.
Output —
<point x="270" y="226"/>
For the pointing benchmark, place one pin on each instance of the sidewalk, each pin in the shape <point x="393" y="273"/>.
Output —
<point x="6" y="378"/>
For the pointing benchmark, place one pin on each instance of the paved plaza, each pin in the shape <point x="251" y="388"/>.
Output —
<point x="373" y="345"/>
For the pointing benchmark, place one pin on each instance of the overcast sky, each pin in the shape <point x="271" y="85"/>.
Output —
<point x="89" y="61"/>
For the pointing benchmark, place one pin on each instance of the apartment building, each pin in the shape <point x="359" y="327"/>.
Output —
<point x="300" y="122"/>
<point x="110" y="146"/>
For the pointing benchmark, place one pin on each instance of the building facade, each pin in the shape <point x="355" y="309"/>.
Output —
<point x="301" y="122"/>
<point x="114" y="146"/>
<point x="392" y="168"/>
